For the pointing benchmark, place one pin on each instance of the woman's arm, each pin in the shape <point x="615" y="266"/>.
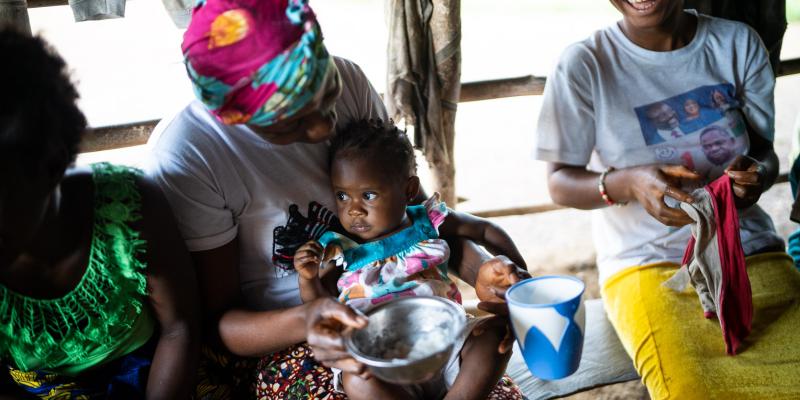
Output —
<point x="574" y="186"/>
<point x="258" y="333"/>
<point x="173" y="297"/>
<point x="243" y="332"/>
<point x="755" y="174"/>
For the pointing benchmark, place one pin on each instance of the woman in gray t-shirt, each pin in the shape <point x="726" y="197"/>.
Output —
<point x="636" y="116"/>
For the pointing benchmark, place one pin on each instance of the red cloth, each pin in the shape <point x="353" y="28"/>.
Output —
<point x="735" y="298"/>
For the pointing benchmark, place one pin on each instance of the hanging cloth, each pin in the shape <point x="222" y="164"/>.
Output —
<point x="15" y="13"/>
<point x="424" y="78"/>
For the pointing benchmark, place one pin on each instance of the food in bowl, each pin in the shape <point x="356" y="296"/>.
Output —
<point x="409" y="340"/>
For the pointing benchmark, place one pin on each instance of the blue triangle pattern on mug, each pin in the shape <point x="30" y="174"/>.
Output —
<point x="548" y="360"/>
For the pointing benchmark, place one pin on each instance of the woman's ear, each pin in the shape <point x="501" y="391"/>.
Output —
<point x="412" y="188"/>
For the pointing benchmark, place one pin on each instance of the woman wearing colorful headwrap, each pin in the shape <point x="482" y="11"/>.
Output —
<point x="246" y="171"/>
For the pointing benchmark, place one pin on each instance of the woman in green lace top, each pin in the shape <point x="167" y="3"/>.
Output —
<point x="97" y="295"/>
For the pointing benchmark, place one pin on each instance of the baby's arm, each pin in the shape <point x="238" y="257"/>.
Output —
<point x="483" y="232"/>
<point x="307" y="260"/>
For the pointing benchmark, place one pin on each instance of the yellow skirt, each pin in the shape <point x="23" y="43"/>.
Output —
<point x="681" y="355"/>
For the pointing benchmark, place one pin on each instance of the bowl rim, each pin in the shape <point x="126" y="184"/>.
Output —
<point x="515" y="286"/>
<point x="399" y="362"/>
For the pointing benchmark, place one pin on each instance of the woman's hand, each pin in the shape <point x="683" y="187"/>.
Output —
<point x="495" y="276"/>
<point x="307" y="259"/>
<point x="500" y="311"/>
<point x="649" y="184"/>
<point x="326" y="319"/>
<point x="748" y="176"/>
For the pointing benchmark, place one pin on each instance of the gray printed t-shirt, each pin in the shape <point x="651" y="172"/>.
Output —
<point x="225" y="182"/>
<point x="611" y="103"/>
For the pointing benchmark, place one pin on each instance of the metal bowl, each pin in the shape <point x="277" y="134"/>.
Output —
<point x="408" y="340"/>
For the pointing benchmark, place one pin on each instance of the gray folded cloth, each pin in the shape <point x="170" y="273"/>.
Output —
<point x="704" y="270"/>
<point x="714" y="262"/>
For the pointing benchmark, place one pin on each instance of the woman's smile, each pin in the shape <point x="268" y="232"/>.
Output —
<point x="642" y="5"/>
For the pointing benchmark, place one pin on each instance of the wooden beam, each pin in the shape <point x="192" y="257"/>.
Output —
<point x="118" y="136"/>
<point x="789" y="67"/>
<point x="499" y="88"/>
<point x="540" y="208"/>
<point x="46" y="3"/>
<point x="505" y="212"/>
<point x="113" y="137"/>
<point x="531" y="85"/>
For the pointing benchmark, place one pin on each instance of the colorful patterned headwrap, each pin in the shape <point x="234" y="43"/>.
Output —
<point x="255" y="61"/>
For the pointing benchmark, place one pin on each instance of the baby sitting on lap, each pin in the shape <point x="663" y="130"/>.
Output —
<point x="393" y="249"/>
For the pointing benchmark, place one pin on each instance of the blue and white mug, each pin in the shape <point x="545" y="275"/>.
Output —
<point x="548" y="319"/>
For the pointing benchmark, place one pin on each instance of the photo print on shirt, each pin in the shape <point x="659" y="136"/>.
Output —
<point x="702" y="129"/>
<point x="298" y="230"/>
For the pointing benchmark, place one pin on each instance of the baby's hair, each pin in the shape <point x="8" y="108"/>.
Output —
<point x="376" y="138"/>
<point x="40" y="123"/>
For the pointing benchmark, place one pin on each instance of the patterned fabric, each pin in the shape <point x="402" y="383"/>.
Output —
<point x="255" y="61"/>
<point x="294" y="374"/>
<point x="223" y="375"/>
<point x="123" y="378"/>
<point x="104" y="316"/>
<point x="410" y="262"/>
<point x="506" y="389"/>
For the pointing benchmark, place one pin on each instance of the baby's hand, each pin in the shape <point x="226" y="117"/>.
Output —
<point x="307" y="260"/>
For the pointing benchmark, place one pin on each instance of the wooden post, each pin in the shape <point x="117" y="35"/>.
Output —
<point x="446" y="31"/>
<point x="15" y="13"/>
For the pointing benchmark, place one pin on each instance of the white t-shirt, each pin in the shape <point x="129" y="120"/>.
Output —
<point x="612" y="103"/>
<point x="224" y="181"/>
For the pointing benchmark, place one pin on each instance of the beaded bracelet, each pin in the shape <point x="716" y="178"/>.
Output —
<point x="601" y="186"/>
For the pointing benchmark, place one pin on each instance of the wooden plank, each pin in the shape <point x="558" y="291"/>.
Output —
<point x="112" y="137"/>
<point x="505" y="212"/>
<point x="499" y="88"/>
<point x="118" y="136"/>
<point x="46" y="3"/>
<point x="540" y="208"/>
<point x="789" y="67"/>
<point x="531" y="85"/>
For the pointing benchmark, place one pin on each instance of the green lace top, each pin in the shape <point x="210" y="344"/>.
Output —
<point x="105" y="316"/>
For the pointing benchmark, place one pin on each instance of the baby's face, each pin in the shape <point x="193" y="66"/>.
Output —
<point x="370" y="206"/>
